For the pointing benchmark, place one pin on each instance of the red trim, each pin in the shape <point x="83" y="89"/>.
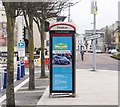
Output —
<point x="62" y="35"/>
<point x="62" y="24"/>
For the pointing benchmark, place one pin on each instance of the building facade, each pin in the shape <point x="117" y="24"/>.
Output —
<point x="3" y="32"/>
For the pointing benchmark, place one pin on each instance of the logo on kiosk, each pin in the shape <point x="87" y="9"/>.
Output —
<point x="61" y="46"/>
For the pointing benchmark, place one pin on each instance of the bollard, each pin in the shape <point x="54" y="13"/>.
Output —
<point x="5" y="78"/>
<point x="21" y="69"/>
<point x="24" y="68"/>
<point x="18" y="71"/>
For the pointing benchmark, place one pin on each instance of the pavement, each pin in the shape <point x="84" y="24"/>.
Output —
<point x="24" y="97"/>
<point x="92" y="88"/>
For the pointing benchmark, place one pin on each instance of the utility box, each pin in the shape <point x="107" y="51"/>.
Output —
<point x="62" y="58"/>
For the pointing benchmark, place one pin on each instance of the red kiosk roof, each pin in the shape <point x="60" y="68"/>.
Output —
<point x="62" y="23"/>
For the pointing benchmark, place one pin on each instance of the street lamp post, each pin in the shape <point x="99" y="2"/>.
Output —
<point x="70" y="4"/>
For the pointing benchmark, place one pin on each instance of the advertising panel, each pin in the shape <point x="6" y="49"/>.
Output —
<point x="62" y="58"/>
<point x="62" y="61"/>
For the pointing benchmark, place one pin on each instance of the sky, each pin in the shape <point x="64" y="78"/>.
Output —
<point x="82" y="17"/>
<point x="81" y="14"/>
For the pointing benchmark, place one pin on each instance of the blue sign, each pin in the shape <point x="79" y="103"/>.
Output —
<point x="21" y="49"/>
<point x="62" y="63"/>
<point x="21" y="45"/>
<point x="47" y="43"/>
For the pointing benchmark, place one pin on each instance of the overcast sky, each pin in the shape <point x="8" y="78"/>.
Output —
<point x="82" y="17"/>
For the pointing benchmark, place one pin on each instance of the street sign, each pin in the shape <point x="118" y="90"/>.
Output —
<point x="21" y="49"/>
<point x="90" y="32"/>
<point x="87" y="38"/>
<point x="21" y="45"/>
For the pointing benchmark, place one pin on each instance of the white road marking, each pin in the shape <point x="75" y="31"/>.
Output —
<point x="15" y="80"/>
<point x="21" y="84"/>
<point x="2" y="88"/>
<point x="35" y="87"/>
<point x="15" y="89"/>
<point x="40" y="91"/>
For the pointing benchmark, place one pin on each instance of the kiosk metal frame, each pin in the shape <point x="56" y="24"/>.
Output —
<point x="58" y="32"/>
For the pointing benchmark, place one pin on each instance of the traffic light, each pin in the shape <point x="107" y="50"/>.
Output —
<point x="47" y="26"/>
<point x="24" y="33"/>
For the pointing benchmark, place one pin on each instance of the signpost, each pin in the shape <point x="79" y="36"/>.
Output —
<point x="87" y="38"/>
<point x="94" y="12"/>
<point x="90" y="32"/>
<point x="21" y="49"/>
<point x="94" y="37"/>
<point x="62" y="58"/>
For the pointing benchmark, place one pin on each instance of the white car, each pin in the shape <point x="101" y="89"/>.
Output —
<point x="109" y="51"/>
<point x="113" y="51"/>
<point x="90" y="51"/>
<point x="98" y="51"/>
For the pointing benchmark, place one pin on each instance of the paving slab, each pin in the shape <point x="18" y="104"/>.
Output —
<point x="98" y="87"/>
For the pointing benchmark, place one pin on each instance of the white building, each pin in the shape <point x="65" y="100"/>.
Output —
<point x="80" y="41"/>
<point x="20" y="23"/>
<point x="3" y="33"/>
<point x="99" y="41"/>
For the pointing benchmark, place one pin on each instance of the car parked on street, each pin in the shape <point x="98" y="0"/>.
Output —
<point x="98" y="51"/>
<point x="90" y="51"/>
<point x="112" y="51"/>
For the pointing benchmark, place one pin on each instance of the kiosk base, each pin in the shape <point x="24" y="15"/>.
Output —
<point x="60" y="95"/>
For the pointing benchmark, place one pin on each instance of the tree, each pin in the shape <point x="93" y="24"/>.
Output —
<point x="28" y="9"/>
<point x="10" y="9"/>
<point x="47" y="10"/>
<point x="86" y="45"/>
<point x="107" y="37"/>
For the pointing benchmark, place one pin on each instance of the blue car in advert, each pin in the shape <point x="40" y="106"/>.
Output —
<point x="61" y="60"/>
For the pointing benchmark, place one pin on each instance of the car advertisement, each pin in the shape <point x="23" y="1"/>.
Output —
<point x="62" y="62"/>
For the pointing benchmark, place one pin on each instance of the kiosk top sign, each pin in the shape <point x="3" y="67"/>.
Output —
<point x="62" y="26"/>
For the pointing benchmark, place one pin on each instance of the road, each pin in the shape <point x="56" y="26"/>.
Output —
<point x="103" y="62"/>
